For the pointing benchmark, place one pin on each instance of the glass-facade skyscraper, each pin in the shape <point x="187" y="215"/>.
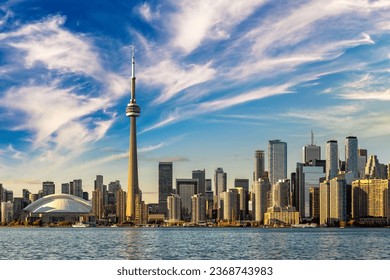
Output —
<point x="277" y="160"/>
<point x="165" y="182"/>
<point x="351" y="156"/>
<point x="332" y="159"/>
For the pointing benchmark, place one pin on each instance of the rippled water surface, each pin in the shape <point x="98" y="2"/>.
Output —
<point x="194" y="243"/>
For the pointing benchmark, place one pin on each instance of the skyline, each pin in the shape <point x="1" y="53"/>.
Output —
<point x="216" y="82"/>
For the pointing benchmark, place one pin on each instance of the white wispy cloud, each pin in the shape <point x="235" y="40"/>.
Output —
<point x="364" y="95"/>
<point x="147" y="12"/>
<point x="212" y="19"/>
<point x="174" y="78"/>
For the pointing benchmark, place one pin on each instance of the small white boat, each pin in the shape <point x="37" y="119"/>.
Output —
<point x="80" y="225"/>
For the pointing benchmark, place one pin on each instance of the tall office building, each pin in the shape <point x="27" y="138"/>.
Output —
<point x="351" y="156"/>
<point x="165" y="181"/>
<point x="209" y="186"/>
<point x="198" y="208"/>
<point x="280" y="193"/>
<point x="242" y="202"/>
<point x="65" y="188"/>
<point x="132" y="111"/>
<point x="332" y="159"/>
<point x="324" y="202"/>
<point x="277" y="160"/>
<point x="220" y="180"/>
<point x="262" y="198"/>
<point x="78" y="188"/>
<point x="362" y="161"/>
<point x="311" y="152"/>
<point x="97" y="203"/>
<point x="314" y="203"/>
<point x="201" y="176"/>
<point x="186" y="188"/>
<point x="337" y="200"/>
<point x="229" y="205"/>
<point x="259" y="165"/>
<point x="371" y="197"/>
<point x="99" y="182"/>
<point x="174" y="208"/>
<point x="307" y="176"/>
<point x="48" y="188"/>
<point x="121" y="206"/>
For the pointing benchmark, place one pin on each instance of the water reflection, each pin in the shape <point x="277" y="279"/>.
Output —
<point x="194" y="243"/>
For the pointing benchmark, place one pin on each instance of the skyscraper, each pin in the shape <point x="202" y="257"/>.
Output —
<point x="311" y="152"/>
<point x="201" y="176"/>
<point x="259" y="165"/>
<point x="165" y="174"/>
<point x="262" y="190"/>
<point x="78" y="188"/>
<point x="362" y="161"/>
<point x="220" y="180"/>
<point x="48" y="188"/>
<point x="132" y="111"/>
<point x="186" y="188"/>
<point x="332" y="159"/>
<point x="277" y="160"/>
<point x="351" y="156"/>
<point x="99" y="182"/>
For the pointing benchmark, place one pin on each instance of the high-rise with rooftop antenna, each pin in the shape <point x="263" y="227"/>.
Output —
<point x="132" y="111"/>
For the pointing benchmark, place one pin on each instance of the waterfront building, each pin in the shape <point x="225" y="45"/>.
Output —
<point x="198" y="209"/>
<point x="281" y="193"/>
<point x="65" y="188"/>
<point x="337" y="200"/>
<point x="259" y="165"/>
<point x="58" y="208"/>
<point x="362" y="161"/>
<point x="165" y="181"/>
<point x="220" y="180"/>
<point x="332" y="159"/>
<point x="311" y="152"/>
<point x="307" y="176"/>
<point x="277" y="160"/>
<point x="174" y="208"/>
<point x="132" y="111"/>
<point x="186" y="188"/>
<point x="262" y="198"/>
<point x="201" y="176"/>
<point x="18" y="204"/>
<point x="97" y="204"/>
<point x="242" y="202"/>
<point x="7" y="214"/>
<point x="314" y="193"/>
<point x="351" y="156"/>
<point x="281" y="216"/>
<point x="229" y="206"/>
<point x="324" y="202"/>
<point x="371" y="197"/>
<point x="121" y="206"/>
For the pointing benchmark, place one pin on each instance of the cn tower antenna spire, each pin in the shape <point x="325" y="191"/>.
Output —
<point x="132" y="62"/>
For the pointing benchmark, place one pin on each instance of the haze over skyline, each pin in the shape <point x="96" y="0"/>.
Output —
<point x="215" y="81"/>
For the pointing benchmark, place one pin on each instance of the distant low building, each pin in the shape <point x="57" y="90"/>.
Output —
<point x="281" y="216"/>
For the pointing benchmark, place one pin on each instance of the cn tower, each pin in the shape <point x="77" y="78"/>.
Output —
<point x="132" y="111"/>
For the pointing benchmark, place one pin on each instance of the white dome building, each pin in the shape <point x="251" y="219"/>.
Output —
<point x="58" y="208"/>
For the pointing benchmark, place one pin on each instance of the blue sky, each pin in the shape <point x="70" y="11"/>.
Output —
<point x="215" y="81"/>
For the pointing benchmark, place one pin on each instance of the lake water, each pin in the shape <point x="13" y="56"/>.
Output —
<point x="194" y="243"/>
